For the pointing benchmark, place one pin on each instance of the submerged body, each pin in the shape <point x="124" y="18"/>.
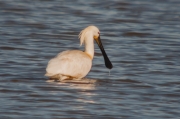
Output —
<point x="75" y="64"/>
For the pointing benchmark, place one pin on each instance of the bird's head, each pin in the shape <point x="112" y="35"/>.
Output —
<point x="90" y="31"/>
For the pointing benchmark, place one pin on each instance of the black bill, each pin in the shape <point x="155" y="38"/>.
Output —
<point x="106" y="59"/>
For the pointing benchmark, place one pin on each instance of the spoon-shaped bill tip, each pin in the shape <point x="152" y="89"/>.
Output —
<point x="108" y="64"/>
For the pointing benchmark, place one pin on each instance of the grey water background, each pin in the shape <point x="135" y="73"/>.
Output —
<point x="140" y="37"/>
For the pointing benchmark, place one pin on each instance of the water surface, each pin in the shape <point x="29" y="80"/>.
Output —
<point x="140" y="37"/>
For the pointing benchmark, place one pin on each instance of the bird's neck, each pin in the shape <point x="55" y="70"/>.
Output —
<point x="89" y="46"/>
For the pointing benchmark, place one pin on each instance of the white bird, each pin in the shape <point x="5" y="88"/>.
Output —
<point x="75" y="64"/>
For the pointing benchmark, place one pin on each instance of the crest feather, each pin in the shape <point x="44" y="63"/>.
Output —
<point x="82" y="36"/>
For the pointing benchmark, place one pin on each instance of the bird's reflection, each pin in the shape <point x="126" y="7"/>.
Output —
<point x="84" y="88"/>
<point x="84" y="84"/>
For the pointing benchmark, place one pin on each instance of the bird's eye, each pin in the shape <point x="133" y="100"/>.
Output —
<point x="98" y="33"/>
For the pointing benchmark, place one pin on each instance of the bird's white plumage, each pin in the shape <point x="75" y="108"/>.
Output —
<point x="71" y="63"/>
<point x="74" y="63"/>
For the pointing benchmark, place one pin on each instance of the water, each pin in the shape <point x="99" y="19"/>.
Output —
<point x="140" y="37"/>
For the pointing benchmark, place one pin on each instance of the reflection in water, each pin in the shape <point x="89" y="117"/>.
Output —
<point x="83" y="88"/>
<point x="85" y="84"/>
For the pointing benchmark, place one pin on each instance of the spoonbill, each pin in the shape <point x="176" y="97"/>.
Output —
<point x="75" y="64"/>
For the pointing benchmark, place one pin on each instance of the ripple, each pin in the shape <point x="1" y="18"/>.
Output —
<point x="141" y="39"/>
